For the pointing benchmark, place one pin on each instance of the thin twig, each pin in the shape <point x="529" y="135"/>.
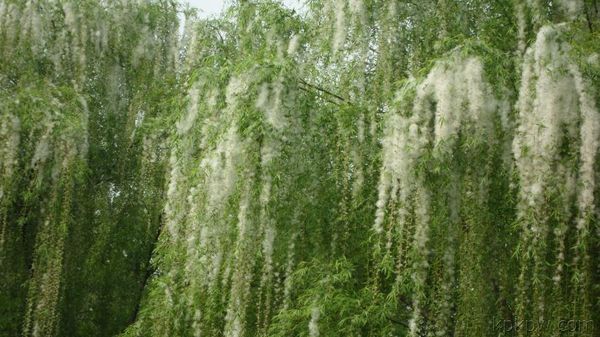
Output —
<point x="323" y="90"/>
<point x="328" y="100"/>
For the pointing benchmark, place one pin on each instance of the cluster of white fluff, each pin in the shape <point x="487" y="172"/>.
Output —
<point x="313" y="324"/>
<point x="590" y="141"/>
<point x="339" y="34"/>
<point x="271" y="148"/>
<point x="187" y="121"/>
<point x="536" y="8"/>
<point x="150" y="151"/>
<point x="289" y="269"/>
<point x="204" y="256"/>
<point x="143" y="46"/>
<point x="266" y="280"/>
<point x="196" y="327"/>
<point x="170" y="211"/>
<point x="357" y="172"/>
<point x="571" y="7"/>
<point x="78" y="31"/>
<point x="455" y="98"/>
<point x="422" y="220"/>
<point x="42" y="148"/>
<point x="114" y="83"/>
<point x="268" y="229"/>
<point x="216" y="264"/>
<point x="358" y="11"/>
<point x="32" y="26"/>
<point x="70" y="16"/>
<point x="100" y="37"/>
<point x="194" y="233"/>
<point x="521" y="26"/>
<point x="242" y="275"/>
<point x="294" y="44"/>
<point x="237" y="86"/>
<point x="84" y="134"/>
<point x="403" y="143"/>
<point x="270" y="102"/>
<point x="453" y="86"/>
<point x="234" y="321"/>
<point x="10" y="127"/>
<point x="547" y="105"/>
<point x="212" y="97"/>
<point x="421" y="266"/>
<point x="220" y="175"/>
<point x="462" y="99"/>
<point x="204" y="253"/>
<point x="10" y="17"/>
<point x="555" y="104"/>
<point x="221" y="166"/>
<point x="356" y="6"/>
<point x="382" y="200"/>
<point x="590" y="144"/>
<point x="347" y="15"/>
<point x="445" y="302"/>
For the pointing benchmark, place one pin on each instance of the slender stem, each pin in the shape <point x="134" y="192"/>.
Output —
<point x="323" y="90"/>
<point x="308" y="91"/>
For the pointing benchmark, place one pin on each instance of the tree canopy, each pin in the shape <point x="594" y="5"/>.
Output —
<point x="357" y="168"/>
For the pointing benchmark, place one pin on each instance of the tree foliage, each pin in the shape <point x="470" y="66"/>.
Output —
<point x="358" y="168"/>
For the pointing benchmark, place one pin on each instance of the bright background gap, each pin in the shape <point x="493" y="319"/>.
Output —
<point x="215" y="7"/>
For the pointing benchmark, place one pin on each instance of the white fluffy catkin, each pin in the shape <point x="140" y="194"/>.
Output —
<point x="462" y="97"/>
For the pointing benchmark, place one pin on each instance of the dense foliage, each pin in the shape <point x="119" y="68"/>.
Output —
<point x="360" y="168"/>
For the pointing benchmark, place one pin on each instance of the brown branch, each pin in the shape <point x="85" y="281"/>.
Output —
<point x="216" y="29"/>
<point x="323" y="90"/>
<point x="310" y="92"/>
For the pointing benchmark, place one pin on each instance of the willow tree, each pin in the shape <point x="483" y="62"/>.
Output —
<point x="359" y="168"/>
<point x="81" y="159"/>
